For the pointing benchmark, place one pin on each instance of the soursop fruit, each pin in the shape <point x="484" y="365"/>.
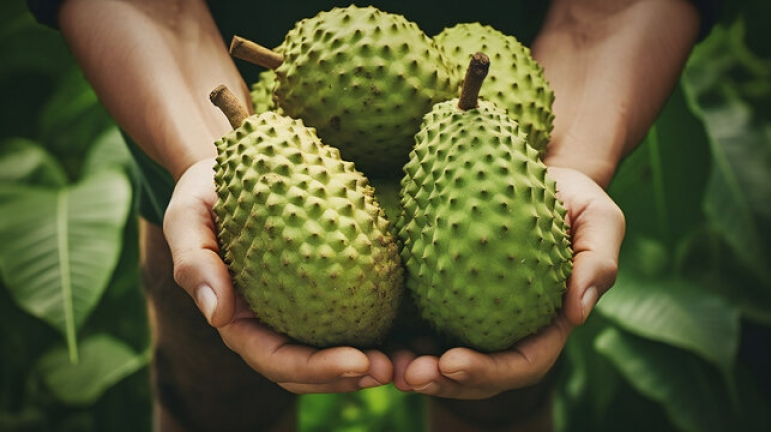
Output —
<point x="387" y="194"/>
<point x="515" y="82"/>
<point x="485" y="241"/>
<point x="363" y="78"/>
<point x="307" y="245"/>
<point x="261" y="92"/>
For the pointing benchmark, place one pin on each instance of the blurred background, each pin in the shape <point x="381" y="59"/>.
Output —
<point x="681" y="343"/>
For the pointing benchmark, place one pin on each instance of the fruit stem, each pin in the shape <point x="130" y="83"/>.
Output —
<point x="228" y="103"/>
<point x="255" y="53"/>
<point x="475" y="75"/>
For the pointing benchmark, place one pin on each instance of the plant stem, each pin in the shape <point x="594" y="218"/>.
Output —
<point x="228" y="103"/>
<point x="475" y="75"/>
<point x="659" y="186"/>
<point x="255" y="53"/>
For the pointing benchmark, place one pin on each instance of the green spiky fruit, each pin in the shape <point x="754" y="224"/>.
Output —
<point x="306" y="243"/>
<point x="484" y="236"/>
<point x="261" y="92"/>
<point x="387" y="194"/>
<point x="515" y="82"/>
<point x="363" y="78"/>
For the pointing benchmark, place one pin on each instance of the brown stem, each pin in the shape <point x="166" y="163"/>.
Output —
<point x="255" y="53"/>
<point x="228" y="103"/>
<point x="475" y="75"/>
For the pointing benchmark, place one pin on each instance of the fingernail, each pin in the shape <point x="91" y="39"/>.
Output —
<point x="368" y="382"/>
<point x="588" y="301"/>
<point x="459" y="375"/>
<point x="207" y="301"/>
<point x="351" y="374"/>
<point x="429" y="388"/>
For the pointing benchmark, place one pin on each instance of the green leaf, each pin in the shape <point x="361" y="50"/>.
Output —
<point x="740" y="184"/>
<point x="32" y="58"/>
<point x="26" y="46"/>
<point x="659" y="198"/>
<point x="72" y="120"/>
<point x="681" y="142"/>
<point x="104" y="361"/>
<point x="108" y="152"/>
<point x="738" y="198"/>
<point x="675" y="312"/>
<point x="666" y="376"/>
<point x="590" y="384"/>
<point x="649" y="258"/>
<point x="25" y="161"/>
<point x="706" y="258"/>
<point x="60" y="246"/>
<point x="755" y="14"/>
<point x="632" y="189"/>
<point x="692" y="393"/>
<point x="381" y="408"/>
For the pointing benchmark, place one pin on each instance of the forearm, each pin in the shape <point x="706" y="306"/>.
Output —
<point x="152" y="63"/>
<point x="612" y="65"/>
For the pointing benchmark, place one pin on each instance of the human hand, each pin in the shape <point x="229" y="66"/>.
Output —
<point x="191" y="234"/>
<point x="597" y="228"/>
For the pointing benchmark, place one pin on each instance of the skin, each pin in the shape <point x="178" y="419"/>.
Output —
<point x="611" y="63"/>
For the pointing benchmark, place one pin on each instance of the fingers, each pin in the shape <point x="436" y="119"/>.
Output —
<point x="597" y="228"/>
<point x="190" y="233"/>
<point x="379" y="374"/>
<point x="523" y="365"/>
<point x="597" y="232"/>
<point x="301" y="368"/>
<point x="401" y="361"/>
<point x="462" y="373"/>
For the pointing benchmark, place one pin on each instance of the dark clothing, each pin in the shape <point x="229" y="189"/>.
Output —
<point x="45" y="12"/>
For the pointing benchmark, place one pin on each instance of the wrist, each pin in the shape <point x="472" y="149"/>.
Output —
<point x="599" y="168"/>
<point x="612" y="66"/>
<point x="587" y="142"/>
<point x="180" y="163"/>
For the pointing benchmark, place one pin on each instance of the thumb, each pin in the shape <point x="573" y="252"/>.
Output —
<point x="191" y="234"/>
<point x="597" y="229"/>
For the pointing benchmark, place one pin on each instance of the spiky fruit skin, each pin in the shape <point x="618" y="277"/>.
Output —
<point x="307" y="246"/>
<point x="261" y="92"/>
<point x="363" y="78"/>
<point x="485" y="241"/>
<point x="387" y="194"/>
<point x="515" y="81"/>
